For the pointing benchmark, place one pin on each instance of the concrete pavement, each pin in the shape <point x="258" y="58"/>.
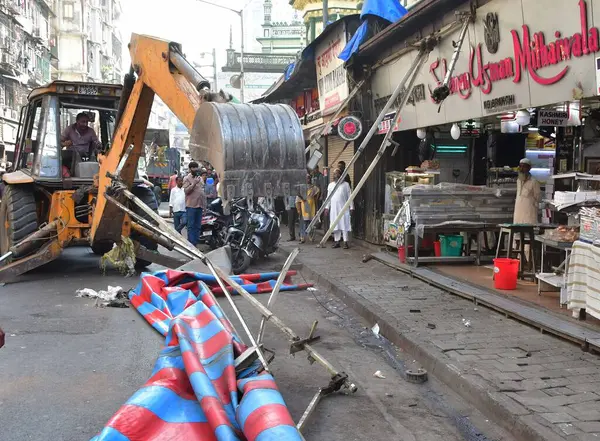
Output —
<point x="68" y="366"/>
<point x="536" y="386"/>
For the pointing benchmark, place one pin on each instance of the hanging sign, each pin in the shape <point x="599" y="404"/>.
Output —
<point x="349" y="128"/>
<point x="332" y="79"/>
<point x="553" y="118"/>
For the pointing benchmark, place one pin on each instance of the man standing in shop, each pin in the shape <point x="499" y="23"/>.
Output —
<point x="528" y="196"/>
<point x="195" y="202"/>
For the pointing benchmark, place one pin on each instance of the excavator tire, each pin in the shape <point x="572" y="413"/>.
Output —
<point x="18" y="214"/>
<point x="101" y="248"/>
<point x="147" y="196"/>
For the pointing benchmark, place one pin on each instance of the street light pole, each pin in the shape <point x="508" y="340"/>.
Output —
<point x="241" y="14"/>
<point x="242" y="79"/>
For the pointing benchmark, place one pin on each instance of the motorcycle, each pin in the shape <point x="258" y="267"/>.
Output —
<point x="252" y="235"/>
<point x="215" y="224"/>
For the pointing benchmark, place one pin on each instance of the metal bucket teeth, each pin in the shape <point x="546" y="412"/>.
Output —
<point x="258" y="149"/>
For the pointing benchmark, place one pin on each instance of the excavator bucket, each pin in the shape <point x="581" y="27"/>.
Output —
<point x="257" y="148"/>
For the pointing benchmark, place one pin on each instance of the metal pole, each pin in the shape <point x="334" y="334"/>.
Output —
<point x="273" y="296"/>
<point x="411" y="76"/>
<point x="341" y="107"/>
<point x="242" y="85"/>
<point x="370" y="134"/>
<point x="325" y="13"/>
<point x="214" y="55"/>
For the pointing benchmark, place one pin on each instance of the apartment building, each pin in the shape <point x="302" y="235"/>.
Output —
<point x="25" y="61"/>
<point x="88" y="43"/>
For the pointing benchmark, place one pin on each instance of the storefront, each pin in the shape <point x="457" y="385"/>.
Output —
<point x="523" y="85"/>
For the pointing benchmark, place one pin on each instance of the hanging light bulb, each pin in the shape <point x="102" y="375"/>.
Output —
<point x="455" y="131"/>
<point x="523" y="117"/>
<point x="421" y="133"/>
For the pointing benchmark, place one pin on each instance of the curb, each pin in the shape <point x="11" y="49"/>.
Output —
<point x="502" y="410"/>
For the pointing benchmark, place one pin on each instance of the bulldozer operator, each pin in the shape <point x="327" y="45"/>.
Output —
<point x="80" y="137"/>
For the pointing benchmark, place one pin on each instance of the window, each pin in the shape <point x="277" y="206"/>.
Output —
<point x="49" y="160"/>
<point x="31" y="134"/>
<point x="266" y="33"/>
<point x="68" y="11"/>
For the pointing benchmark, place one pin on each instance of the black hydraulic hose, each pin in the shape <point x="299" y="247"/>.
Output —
<point x="128" y="83"/>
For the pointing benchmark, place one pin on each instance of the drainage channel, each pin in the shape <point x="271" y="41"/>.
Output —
<point x="435" y="401"/>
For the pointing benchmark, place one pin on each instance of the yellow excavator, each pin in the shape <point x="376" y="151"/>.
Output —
<point x="258" y="151"/>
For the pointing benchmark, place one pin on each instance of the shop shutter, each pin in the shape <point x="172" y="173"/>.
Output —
<point x="335" y="145"/>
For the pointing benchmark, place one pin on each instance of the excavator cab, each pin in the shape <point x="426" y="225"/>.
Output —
<point x="39" y="157"/>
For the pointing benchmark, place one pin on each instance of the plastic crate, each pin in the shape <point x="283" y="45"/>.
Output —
<point x="451" y="245"/>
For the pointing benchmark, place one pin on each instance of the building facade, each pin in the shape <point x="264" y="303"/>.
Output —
<point x="280" y="43"/>
<point x="88" y="43"/>
<point x="25" y="61"/>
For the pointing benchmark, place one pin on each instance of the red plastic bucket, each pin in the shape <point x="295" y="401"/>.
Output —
<point x="402" y="253"/>
<point x="437" y="248"/>
<point x="505" y="273"/>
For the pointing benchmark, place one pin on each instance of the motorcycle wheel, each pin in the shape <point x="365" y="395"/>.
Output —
<point x="240" y="261"/>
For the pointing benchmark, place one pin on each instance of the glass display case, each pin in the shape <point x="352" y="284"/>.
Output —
<point x="395" y="183"/>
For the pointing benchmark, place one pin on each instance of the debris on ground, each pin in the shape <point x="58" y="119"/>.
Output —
<point x="431" y="325"/>
<point x="416" y="376"/>
<point x="466" y="322"/>
<point x="366" y="257"/>
<point x="414" y="311"/>
<point x="378" y="374"/>
<point x="122" y="256"/>
<point x="311" y="288"/>
<point x="375" y="329"/>
<point x="113" y="297"/>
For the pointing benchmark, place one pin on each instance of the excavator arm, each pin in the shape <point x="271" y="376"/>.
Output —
<point x="258" y="150"/>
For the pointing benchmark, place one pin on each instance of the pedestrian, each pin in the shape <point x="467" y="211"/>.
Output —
<point x="195" y="202"/>
<point x="528" y="195"/>
<point x="177" y="205"/>
<point x="528" y="198"/>
<point x="173" y="180"/>
<point x="342" y="167"/>
<point x="292" y="216"/>
<point x="318" y="180"/>
<point x="210" y="188"/>
<point x="308" y="207"/>
<point x="334" y="208"/>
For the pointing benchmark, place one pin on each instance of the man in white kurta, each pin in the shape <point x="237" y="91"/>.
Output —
<point x="528" y="196"/>
<point x="528" y="199"/>
<point x="334" y="208"/>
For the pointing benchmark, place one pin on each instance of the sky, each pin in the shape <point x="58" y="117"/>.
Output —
<point x="199" y="27"/>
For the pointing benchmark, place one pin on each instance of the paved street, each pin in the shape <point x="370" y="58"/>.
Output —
<point x="68" y="366"/>
<point x="537" y="385"/>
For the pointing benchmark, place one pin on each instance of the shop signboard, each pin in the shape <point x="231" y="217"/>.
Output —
<point x="556" y="118"/>
<point x="332" y="79"/>
<point x="516" y="55"/>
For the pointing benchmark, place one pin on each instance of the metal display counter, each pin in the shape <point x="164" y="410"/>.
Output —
<point x="557" y="278"/>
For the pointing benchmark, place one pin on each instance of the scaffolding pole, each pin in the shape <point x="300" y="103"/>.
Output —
<point x="425" y="47"/>
<point x="410" y="76"/>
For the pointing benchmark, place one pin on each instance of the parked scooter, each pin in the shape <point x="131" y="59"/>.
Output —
<point x="252" y="235"/>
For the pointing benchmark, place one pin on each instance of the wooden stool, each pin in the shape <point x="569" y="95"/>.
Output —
<point x="522" y="231"/>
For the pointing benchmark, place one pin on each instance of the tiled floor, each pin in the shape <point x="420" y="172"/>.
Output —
<point x="526" y="291"/>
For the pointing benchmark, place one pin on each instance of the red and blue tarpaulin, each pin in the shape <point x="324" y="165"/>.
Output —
<point x="194" y="393"/>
